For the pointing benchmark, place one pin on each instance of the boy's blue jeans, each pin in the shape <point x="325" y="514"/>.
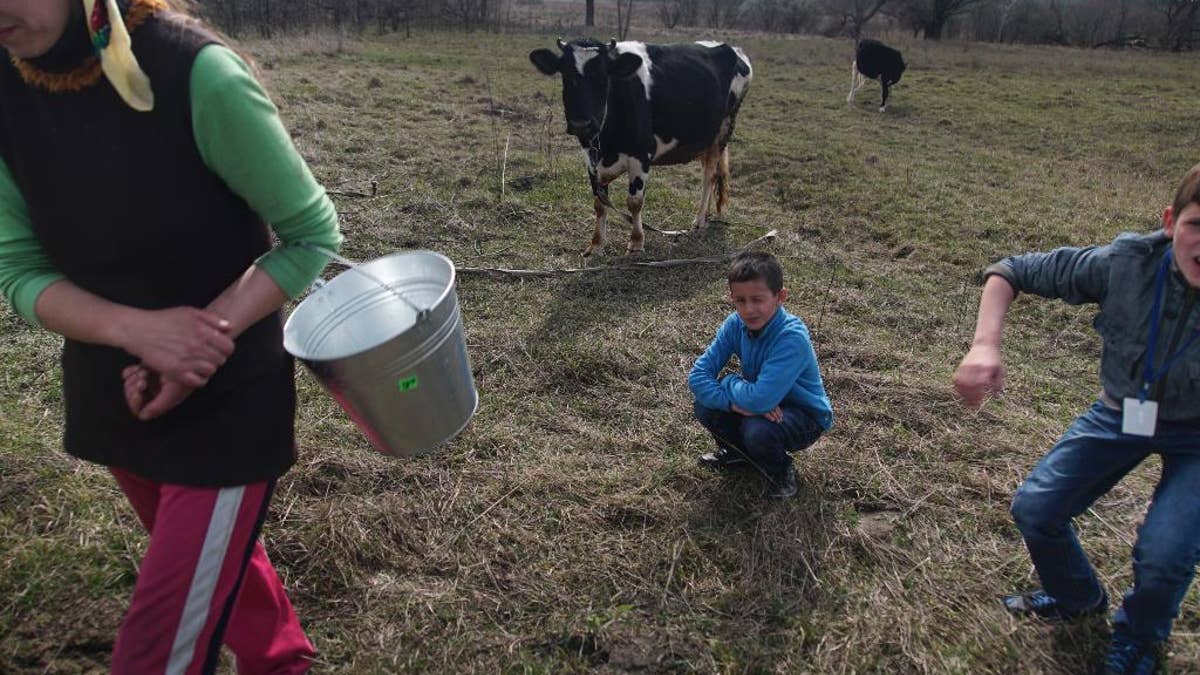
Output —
<point x="766" y="443"/>
<point x="1087" y="462"/>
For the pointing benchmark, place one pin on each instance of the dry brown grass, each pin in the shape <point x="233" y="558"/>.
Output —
<point x="568" y="529"/>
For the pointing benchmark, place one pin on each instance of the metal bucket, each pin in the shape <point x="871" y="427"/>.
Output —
<point x="385" y="339"/>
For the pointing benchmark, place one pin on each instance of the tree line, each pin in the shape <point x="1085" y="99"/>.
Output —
<point x="1157" y="24"/>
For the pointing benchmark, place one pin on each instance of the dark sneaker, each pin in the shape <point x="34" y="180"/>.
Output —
<point x="785" y="485"/>
<point x="721" y="458"/>
<point x="1126" y="657"/>
<point x="1044" y="606"/>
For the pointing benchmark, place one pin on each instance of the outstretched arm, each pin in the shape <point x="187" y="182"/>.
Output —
<point x="981" y="373"/>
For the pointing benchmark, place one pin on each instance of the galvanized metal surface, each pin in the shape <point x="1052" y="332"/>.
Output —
<point x="403" y="375"/>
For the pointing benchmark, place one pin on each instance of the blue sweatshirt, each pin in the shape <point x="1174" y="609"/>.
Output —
<point x="778" y="366"/>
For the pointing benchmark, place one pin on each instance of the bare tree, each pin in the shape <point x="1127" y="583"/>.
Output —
<point x="853" y="15"/>
<point x="1056" y="34"/>
<point x="1180" y="18"/>
<point x="624" y="14"/>
<point x="391" y="13"/>
<point x="1006" y="11"/>
<point x="226" y="14"/>
<point x="799" y="16"/>
<point x="720" y="12"/>
<point x="1122" y="21"/>
<point x="762" y="14"/>
<point x="678" y="12"/>
<point x="930" y="17"/>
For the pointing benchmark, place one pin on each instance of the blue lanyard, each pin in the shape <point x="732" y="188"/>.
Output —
<point x="1149" y="374"/>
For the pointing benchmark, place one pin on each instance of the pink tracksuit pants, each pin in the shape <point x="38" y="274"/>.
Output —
<point x="206" y="580"/>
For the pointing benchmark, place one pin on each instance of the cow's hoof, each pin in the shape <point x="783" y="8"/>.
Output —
<point x="634" y="250"/>
<point x="699" y="223"/>
<point x="882" y="108"/>
<point x="592" y="248"/>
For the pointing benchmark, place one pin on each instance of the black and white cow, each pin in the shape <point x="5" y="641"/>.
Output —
<point x="875" y="60"/>
<point x="632" y="105"/>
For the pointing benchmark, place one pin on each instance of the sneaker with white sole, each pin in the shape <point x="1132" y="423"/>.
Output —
<point x="1041" y="604"/>
<point x="721" y="458"/>
<point x="785" y="484"/>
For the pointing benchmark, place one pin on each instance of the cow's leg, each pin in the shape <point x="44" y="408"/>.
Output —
<point x="709" y="161"/>
<point x="883" y="102"/>
<point x="639" y="171"/>
<point x="721" y="180"/>
<point x="599" y="233"/>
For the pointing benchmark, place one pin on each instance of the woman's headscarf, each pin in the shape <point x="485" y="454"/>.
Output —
<point x="111" y="42"/>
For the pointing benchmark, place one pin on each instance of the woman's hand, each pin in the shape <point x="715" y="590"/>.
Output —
<point x="182" y="344"/>
<point x="149" y="395"/>
<point x="980" y="375"/>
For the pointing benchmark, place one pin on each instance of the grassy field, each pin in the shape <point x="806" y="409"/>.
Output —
<point x="568" y="528"/>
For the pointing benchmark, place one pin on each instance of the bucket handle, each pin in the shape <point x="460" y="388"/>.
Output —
<point x="422" y="313"/>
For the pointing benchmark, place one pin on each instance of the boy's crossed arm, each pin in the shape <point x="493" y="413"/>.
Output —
<point x="702" y="380"/>
<point x="776" y="377"/>
<point x="774" y="414"/>
<point x="732" y="392"/>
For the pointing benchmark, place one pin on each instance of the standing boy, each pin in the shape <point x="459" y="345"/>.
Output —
<point x="1146" y="287"/>
<point x="777" y="404"/>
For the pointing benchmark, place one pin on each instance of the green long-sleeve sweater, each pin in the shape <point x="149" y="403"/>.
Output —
<point x="241" y="139"/>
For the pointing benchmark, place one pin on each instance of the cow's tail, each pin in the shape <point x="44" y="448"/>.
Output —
<point x="722" y="179"/>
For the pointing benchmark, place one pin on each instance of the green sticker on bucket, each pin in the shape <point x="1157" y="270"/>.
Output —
<point x="407" y="383"/>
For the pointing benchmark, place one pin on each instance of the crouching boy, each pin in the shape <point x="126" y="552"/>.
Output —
<point x="1146" y="287"/>
<point x="777" y="404"/>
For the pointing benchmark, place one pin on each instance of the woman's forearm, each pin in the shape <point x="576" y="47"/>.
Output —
<point x="251" y="297"/>
<point x="81" y="315"/>
<point x="186" y="344"/>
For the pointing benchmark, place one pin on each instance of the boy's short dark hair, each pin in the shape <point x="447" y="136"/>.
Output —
<point x="753" y="265"/>
<point x="1189" y="191"/>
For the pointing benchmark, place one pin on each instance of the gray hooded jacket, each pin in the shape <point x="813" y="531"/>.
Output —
<point x="1120" y="278"/>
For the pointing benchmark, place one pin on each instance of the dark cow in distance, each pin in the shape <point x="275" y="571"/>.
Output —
<point x="875" y="60"/>
<point x="632" y="105"/>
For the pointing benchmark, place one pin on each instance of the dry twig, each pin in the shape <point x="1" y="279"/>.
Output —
<point x="677" y="262"/>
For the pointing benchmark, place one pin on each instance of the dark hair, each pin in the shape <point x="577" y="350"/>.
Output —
<point x="1189" y="191"/>
<point x="750" y="266"/>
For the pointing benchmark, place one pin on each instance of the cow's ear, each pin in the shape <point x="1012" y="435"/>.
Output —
<point x="625" y="65"/>
<point x="545" y="60"/>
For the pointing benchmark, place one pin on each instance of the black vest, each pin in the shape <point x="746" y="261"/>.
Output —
<point x="124" y="206"/>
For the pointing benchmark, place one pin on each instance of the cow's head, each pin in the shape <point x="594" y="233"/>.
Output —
<point x="587" y="68"/>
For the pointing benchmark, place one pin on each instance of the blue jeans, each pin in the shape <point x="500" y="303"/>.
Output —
<point x="1087" y="462"/>
<point x="766" y="443"/>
